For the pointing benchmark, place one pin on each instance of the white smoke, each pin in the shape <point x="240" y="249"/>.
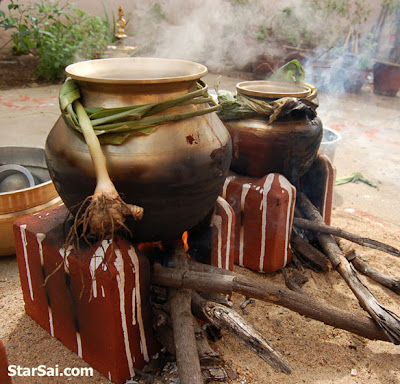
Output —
<point x="231" y="34"/>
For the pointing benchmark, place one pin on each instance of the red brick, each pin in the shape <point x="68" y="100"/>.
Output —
<point x="264" y="210"/>
<point x="97" y="302"/>
<point x="4" y="378"/>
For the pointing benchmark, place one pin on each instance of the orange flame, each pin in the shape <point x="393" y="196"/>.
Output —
<point x="184" y="239"/>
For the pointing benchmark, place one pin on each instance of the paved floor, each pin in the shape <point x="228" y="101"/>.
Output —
<point x="369" y="125"/>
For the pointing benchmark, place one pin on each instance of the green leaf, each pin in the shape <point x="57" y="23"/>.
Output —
<point x="353" y="178"/>
<point x="69" y="92"/>
<point x="290" y="72"/>
<point x="114" y="125"/>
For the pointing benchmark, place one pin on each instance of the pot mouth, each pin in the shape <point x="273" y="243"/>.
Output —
<point x="272" y="89"/>
<point x="136" y="70"/>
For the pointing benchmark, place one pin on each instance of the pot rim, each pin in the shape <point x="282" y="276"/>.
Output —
<point x="272" y="89"/>
<point x="136" y="70"/>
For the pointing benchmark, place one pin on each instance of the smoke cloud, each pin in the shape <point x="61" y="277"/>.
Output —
<point x="233" y="34"/>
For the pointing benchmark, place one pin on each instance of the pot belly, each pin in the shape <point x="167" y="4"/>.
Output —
<point x="176" y="173"/>
<point x="288" y="148"/>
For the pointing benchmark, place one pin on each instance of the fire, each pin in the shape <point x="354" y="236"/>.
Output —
<point x="146" y="247"/>
<point x="184" y="239"/>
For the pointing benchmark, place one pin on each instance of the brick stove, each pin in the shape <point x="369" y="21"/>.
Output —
<point x="105" y="316"/>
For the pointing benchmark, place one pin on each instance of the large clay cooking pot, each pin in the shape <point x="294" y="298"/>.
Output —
<point x="176" y="173"/>
<point x="287" y="146"/>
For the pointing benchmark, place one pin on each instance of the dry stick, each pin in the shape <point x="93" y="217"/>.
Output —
<point x="309" y="252"/>
<point x="291" y="284"/>
<point x="223" y="317"/>
<point x="326" y="229"/>
<point x="381" y="278"/>
<point x="229" y="282"/>
<point x="187" y="358"/>
<point x="386" y="319"/>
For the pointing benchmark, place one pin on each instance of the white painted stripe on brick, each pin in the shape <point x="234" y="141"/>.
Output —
<point x="64" y="254"/>
<point x="227" y="208"/>
<point x="287" y="187"/>
<point x="79" y="344"/>
<point x="96" y="261"/>
<point x="217" y="223"/>
<point x="51" y="321"/>
<point x="266" y="187"/>
<point x="24" y="245"/>
<point x="134" y="306"/>
<point x="245" y="190"/>
<point x="40" y="237"/>
<point x="225" y="187"/>
<point x="119" y="265"/>
<point x="323" y="213"/>
<point x="143" y="342"/>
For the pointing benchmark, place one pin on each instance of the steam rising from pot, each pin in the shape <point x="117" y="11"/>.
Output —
<point x="231" y="34"/>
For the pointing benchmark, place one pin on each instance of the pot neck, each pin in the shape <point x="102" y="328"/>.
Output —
<point x="108" y="95"/>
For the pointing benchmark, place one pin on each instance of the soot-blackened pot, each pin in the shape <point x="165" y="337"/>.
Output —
<point x="287" y="146"/>
<point x="175" y="173"/>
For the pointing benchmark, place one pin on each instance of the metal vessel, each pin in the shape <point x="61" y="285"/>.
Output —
<point x="17" y="202"/>
<point x="287" y="145"/>
<point x="175" y="173"/>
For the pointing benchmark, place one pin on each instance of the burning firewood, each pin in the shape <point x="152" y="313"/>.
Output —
<point x="187" y="357"/>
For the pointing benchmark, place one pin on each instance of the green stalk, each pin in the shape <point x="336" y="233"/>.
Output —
<point x="104" y="183"/>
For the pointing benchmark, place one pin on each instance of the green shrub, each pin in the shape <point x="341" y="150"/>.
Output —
<point x="56" y="35"/>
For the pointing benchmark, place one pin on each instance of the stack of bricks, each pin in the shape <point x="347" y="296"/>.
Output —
<point x="97" y="302"/>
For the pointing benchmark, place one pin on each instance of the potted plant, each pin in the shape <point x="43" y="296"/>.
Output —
<point x="387" y="67"/>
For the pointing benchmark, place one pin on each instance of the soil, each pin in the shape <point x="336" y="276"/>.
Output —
<point x="18" y="71"/>
<point x="317" y="352"/>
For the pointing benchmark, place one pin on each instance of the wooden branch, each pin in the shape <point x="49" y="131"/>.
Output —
<point x="187" y="358"/>
<point x="321" y="227"/>
<point x="381" y="278"/>
<point x="228" y="319"/>
<point x="291" y="284"/>
<point x="229" y="282"/>
<point x="386" y="319"/>
<point x="305" y="249"/>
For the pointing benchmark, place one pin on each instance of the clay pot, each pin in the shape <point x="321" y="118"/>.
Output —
<point x="176" y="173"/>
<point x="386" y="78"/>
<point x="286" y="146"/>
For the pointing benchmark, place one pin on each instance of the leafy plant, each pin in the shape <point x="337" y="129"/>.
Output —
<point x="389" y="17"/>
<point x="354" y="11"/>
<point x="314" y="23"/>
<point x="56" y="35"/>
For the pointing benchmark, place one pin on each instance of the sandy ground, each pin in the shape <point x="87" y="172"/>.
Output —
<point x="318" y="353"/>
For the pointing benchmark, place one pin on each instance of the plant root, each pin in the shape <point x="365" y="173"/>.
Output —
<point x="100" y="217"/>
